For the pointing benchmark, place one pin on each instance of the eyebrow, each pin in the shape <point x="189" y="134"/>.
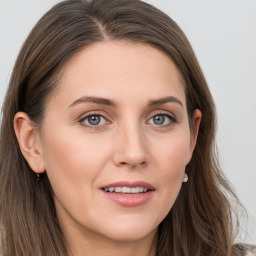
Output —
<point x="108" y="102"/>
<point x="97" y="100"/>
<point x="165" y="100"/>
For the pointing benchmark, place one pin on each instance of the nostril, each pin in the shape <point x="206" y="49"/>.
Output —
<point x="133" y="164"/>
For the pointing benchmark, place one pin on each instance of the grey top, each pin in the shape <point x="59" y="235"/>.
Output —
<point x="246" y="249"/>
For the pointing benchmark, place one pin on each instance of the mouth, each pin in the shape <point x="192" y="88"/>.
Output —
<point x="129" y="193"/>
<point x="128" y="187"/>
<point x="126" y="190"/>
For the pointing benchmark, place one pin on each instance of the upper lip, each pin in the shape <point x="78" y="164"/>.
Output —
<point x="130" y="184"/>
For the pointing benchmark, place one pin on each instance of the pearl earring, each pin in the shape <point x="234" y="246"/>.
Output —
<point x="37" y="176"/>
<point x="185" y="179"/>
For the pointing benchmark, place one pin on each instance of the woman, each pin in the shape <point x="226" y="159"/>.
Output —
<point x="107" y="140"/>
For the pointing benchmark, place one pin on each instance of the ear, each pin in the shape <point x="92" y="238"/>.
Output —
<point x="29" y="141"/>
<point x="196" y="120"/>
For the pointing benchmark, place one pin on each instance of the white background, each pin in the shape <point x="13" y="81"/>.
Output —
<point x="223" y="35"/>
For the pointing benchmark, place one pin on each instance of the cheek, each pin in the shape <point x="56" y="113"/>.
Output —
<point x="172" y="166"/>
<point x="74" y="158"/>
<point x="173" y="153"/>
<point x="170" y="162"/>
<point x="73" y="164"/>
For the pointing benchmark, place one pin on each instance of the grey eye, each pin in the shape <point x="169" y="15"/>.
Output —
<point x="159" y="119"/>
<point x="94" y="120"/>
<point x="162" y="120"/>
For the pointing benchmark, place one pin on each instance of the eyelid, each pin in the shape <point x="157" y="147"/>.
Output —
<point x="162" y="112"/>
<point x="101" y="113"/>
<point x="83" y="117"/>
<point x="172" y="118"/>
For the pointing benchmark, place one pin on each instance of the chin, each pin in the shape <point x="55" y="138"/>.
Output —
<point x="131" y="235"/>
<point x="130" y="230"/>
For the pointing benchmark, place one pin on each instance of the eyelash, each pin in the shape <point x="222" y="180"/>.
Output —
<point x="96" y="126"/>
<point x="172" y="120"/>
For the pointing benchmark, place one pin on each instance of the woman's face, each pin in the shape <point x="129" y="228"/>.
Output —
<point x="116" y="140"/>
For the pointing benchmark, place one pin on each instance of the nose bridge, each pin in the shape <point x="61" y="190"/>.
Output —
<point x="131" y="145"/>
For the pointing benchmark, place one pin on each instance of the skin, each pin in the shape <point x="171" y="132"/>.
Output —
<point x="127" y="145"/>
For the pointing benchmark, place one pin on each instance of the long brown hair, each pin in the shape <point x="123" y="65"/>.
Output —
<point x="200" y="221"/>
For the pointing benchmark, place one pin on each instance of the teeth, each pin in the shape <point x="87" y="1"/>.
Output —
<point x="135" y="190"/>
<point x="118" y="189"/>
<point x="126" y="190"/>
<point x="111" y="189"/>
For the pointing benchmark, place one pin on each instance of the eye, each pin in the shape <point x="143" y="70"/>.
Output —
<point x="162" y="119"/>
<point x="93" y="120"/>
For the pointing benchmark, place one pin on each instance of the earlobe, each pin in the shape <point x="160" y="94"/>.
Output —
<point x="29" y="142"/>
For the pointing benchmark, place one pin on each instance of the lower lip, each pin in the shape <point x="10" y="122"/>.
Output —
<point x="129" y="200"/>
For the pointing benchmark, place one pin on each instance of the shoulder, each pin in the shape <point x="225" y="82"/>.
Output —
<point x="245" y="249"/>
<point x="251" y="251"/>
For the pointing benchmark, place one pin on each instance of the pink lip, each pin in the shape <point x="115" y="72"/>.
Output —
<point x="129" y="200"/>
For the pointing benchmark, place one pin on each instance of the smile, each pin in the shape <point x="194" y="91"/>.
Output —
<point x="129" y="194"/>
<point x="126" y="190"/>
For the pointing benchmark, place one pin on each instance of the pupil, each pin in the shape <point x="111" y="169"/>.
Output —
<point x="94" y="120"/>
<point x="159" y="119"/>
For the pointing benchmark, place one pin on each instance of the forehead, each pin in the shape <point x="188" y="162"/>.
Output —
<point x="120" y="69"/>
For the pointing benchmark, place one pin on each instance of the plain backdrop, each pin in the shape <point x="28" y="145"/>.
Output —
<point x="223" y="35"/>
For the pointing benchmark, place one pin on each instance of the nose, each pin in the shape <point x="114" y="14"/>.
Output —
<point x="130" y="147"/>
